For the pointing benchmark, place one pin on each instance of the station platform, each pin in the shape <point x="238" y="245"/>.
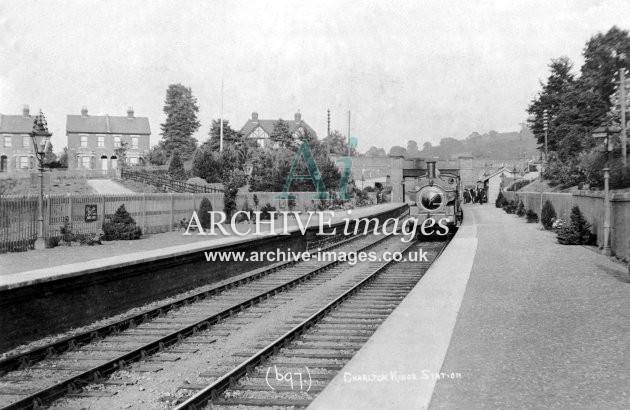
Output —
<point x="505" y="318"/>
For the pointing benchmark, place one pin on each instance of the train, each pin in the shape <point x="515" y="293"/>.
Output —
<point x="434" y="194"/>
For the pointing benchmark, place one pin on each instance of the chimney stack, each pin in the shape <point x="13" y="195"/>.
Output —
<point x="84" y="112"/>
<point x="26" y="110"/>
<point x="298" y="116"/>
<point x="130" y="112"/>
<point x="431" y="169"/>
<point x="254" y="116"/>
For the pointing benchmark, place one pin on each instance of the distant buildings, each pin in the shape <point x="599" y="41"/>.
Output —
<point x="94" y="139"/>
<point x="16" y="146"/>
<point x="261" y="130"/>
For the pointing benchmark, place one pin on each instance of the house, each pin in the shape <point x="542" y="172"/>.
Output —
<point x="261" y="130"/>
<point x="93" y="140"/>
<point x="16" y="145"/>
<point x="497" y="181"/>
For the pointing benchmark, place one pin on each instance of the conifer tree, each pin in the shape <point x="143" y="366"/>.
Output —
<point x="176" y="167"/>
<point x="181" y="123"/>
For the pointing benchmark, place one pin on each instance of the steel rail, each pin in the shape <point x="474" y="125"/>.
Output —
<point x="213" y="390"/>
<point x="97" y="373"/>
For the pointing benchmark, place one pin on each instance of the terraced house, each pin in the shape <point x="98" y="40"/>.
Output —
<point x="16" y="146"/>
<point x="95" y="141"/>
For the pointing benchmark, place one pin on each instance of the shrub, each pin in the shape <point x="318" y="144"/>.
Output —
<point x="121" y="226"/>
<point x="547" y="215"/>
<point x="518" y="185"/>
<point x="532" y="217"/>
<point x="510" y="207"/>
<point x="264" y="211"/>
<point x="520" y="209"/>
<point x="230" y="191"/>
<point x="500" y="200"/>
<point x="204" y="217"/>
<point x="577" y="232"/>
<point x="176" y="167"/>
<point x="256" y="201"/>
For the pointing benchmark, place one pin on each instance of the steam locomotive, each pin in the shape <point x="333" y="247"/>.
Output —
<point x="433" y="193"/>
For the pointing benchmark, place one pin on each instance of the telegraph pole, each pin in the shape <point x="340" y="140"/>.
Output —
<point x="328" y="133"/>
<point x="347" y="145"/>
<point x="622" y="97"/>
<point x="221" y="121"/>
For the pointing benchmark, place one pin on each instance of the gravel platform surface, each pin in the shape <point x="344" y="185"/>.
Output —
<point x="542" y="325"/>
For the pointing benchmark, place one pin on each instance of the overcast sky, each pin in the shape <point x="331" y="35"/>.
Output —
<point x="420" y="70"/>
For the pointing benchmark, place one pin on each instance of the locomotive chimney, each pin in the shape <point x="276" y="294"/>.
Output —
<point x="431" y="169"/>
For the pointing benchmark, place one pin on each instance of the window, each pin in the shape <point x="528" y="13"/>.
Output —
<point x="134" y="142"/>
<point x="7" y="141"/>
<point x="116" y="141"/>
<point x="26" y="142"/>
<point x="25" y="162"/>
<point x="84" y="141"/>
<point x="100" y="141"/>
<point x="85" y="162"/>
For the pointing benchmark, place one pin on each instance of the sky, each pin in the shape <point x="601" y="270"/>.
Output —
<point x="406" y="70"/>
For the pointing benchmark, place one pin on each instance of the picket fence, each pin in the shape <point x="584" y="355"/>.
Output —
<point x="86" y="213"/>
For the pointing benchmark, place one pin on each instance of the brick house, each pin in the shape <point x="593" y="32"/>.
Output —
<point x="16" y="146"/>
<point x="261" y="130"/>
<point x="93" y="139"/>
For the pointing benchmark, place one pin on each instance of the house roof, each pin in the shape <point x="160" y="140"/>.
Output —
<point x="267" y="126"/>
<point x="497" y="172"/>
<point x="16" y="124"/>
<point x="107" y="124"/>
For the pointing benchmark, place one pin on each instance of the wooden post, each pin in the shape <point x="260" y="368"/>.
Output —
<point x="144" y="213"/>
<point x="172" y="216"/>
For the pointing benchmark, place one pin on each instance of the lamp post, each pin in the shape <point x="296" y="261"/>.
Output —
<point x="604" y="133"/>
<point x="41" y="139"/>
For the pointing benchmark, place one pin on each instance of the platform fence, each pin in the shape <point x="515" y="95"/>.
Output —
<point x="85" y="213"/>
<point x="591" y="204"/>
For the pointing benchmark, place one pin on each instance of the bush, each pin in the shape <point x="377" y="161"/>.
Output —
<point x="547" y="215"/>
<point x="204" y="217"/>
<point x="520" y="209"/>
<point x="121" y="226"/>
<point x="500" y="200"/>
<point x="510" y="207"/>
<point x="264" y="211"/>
<point x="532" y="217"/>
<point x="577" y="232"/>
<point x="518" y="184"/>
<point x="256" y="201"/>
<point x="176" y="167"/>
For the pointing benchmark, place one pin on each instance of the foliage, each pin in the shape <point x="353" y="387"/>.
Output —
<point x="339" y="144"/>
<point x="121" y="226"/>
<point x="49" y="155"/>
<point x="592" y="164"/>
<point x="255" y="201"/>
<point x="181" y="123"/>
<point x="6" y="185"/>
<point x="176" y="167"/>
<point x="375" y="152"/>
<point x="548" y="214"/>
<point x="577" y="105"/>
<point x="362" y="198"/>
<point x="520" y="209"/>
<point x="63" y="158"/>
<point x="231" y="137"/>
<point x="230" y="192"/>
<point x="265" y="211"/>
<point x="204" y="208"/>
<point x="157" y="155"/>
<point x="121" y="154"/>
<point x="577" y="232"/>
<point x="518" y="185"/>
<point x="500" y="200"/>
<point x="532" y="217"/>
<point x="281" y="135"/>
<point x="397" y="151"/>
<point x="510" y="207"/>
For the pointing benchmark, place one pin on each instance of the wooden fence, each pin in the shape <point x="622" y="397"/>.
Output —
<point x="86" y="213"/>
<point x="591" y="203"/>
<point x="163" y="181"/>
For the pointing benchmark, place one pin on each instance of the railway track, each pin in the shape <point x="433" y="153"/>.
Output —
<point x="290" y="369"/>
<point x="44" y="374"/>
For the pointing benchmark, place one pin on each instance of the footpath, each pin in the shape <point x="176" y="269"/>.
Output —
<point x="541" y="325"/>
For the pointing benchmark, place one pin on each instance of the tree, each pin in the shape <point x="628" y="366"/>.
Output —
<point x="176" y="167"/>
<point x="337" y="142"/>
<point x="121" y="154"/>
<point x="63" y="158"/>
<point x="397" y="151"/>
<point x="49" y="155"/>
<point x="121" y="225"/>
<point x="412" y="148"/>
<point x="375" y="152"/>
<point x="427" y="146"/>
<point x="157" y="155"/>
<point x="181" y="123"/>
<point x="230" y="136"/>
<point x="281" y="135"/>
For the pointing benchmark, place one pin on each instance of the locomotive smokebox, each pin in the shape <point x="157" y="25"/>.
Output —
<point x="431" y="169"/>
